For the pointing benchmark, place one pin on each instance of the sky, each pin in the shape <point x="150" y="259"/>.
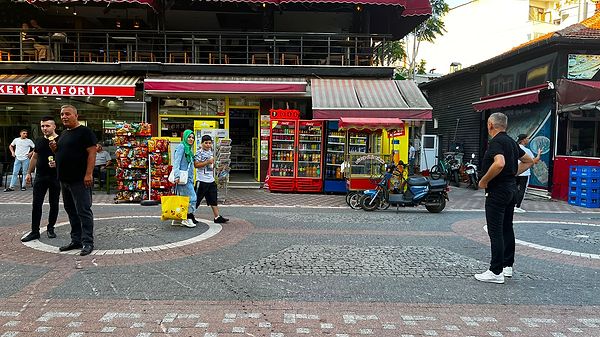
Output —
<point x="454" y="3"/>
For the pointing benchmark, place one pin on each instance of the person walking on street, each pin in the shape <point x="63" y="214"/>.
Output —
<point x="501" y="166"/>
<point x="75" y="157"/>
<point x="21" y="149"/>
<point x="412" y="153"/>
<point x="183" y="159"/>
<point x="523" y="178"/>
<point x="46" y="180"/>
<point x="204" y="162"/>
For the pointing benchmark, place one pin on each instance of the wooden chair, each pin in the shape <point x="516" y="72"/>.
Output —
<point x="145" y="56"/>
<point x="261" y="58"/>
<point x="29" y="50"/>
<point x="113" y="56"/>
<point x="287" y="58"/>
<point x="4" y="55"/>
<point x="336" y="59"/>
<point x="178" y="56"/>
<point x="360" y="60"/>
<point x="86" y="56"/>
<point x="213" y="58"/>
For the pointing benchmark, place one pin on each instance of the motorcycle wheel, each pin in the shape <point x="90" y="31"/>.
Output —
<point x="368" y="204"/>
<point x="456" y="178"/>
<point x="474" y="182"/>
<point x="383" y="205"/>
<point x="437" y="207"/>
<point x="354" y="201"/>
<point x="435" y="172"/>
<point x="349" y="197"/>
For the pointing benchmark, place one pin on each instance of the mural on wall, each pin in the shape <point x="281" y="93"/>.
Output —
<point x="534" y="121"/>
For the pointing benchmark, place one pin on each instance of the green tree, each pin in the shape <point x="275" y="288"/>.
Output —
<point x="421" y="67"/>
<point x="427" y="31"/>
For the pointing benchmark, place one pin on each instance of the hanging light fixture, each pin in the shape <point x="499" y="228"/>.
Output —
<point x="136" y="23"/>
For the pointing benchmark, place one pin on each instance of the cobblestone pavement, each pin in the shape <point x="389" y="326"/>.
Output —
<point x="324" y="270"/>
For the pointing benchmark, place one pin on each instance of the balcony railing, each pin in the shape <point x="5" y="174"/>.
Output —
<point x="192" y="47"/>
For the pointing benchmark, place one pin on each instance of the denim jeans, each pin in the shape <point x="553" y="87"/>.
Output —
<point x="499" y="211"/>
<point x="24" y="164"/>
<point x="78" y="205"/>
<point x="188" y="190"/>
<point x="41" y="185"/>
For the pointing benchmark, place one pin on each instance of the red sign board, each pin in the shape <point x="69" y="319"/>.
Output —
<point x="12" y="89"/>
<point x="396" y="133"/>
<point x="79" y="90"/>
<point x="285" y="114"/>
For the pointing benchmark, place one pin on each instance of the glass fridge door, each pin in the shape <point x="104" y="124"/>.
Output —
<point x="283" y="138"/>
<point x="336" y="147"/>
<point x="310" y="139"/>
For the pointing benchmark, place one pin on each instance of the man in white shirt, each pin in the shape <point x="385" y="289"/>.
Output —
<point x="411" y="158"/>
<point x="102" y="161"/>
<point x="21" y="149"/>
<point x="523" y="178"/>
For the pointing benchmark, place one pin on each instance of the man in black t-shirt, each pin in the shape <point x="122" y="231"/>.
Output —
<point x="501" y="166"/>
<point x="75" y="158"/>
<point x="45" y="180"/>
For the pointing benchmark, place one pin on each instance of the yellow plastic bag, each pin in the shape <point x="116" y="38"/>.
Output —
<point x="174" y="207"/>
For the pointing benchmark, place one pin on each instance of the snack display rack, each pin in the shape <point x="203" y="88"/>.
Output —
<point x="131" y="174"/>
<point x="223" y="166"/>
<point x="158" y="156"/>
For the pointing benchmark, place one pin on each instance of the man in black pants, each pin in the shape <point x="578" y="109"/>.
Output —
<point x="75" y="158"/>
<point x="501" y="166"/>
<point x="45" y="181"/>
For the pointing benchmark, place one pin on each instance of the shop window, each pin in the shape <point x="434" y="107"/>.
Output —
<point x="244" y="101"/>
<point x="193" y="107"/>
<point x="583" y="134"/>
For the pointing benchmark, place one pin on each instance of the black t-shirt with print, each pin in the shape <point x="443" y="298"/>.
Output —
<point x="506" y="146"/>
<point x="42" y="149"/>
<point x="71" y="153"/>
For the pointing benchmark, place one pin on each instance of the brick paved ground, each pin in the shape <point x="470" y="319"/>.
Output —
<point x="315" y="268"/>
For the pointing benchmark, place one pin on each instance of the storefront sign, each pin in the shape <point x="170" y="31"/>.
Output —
<point x="285" y="114"/>
<point x="80" y="90"/>
<point x="369" y="157"/>
<point x="12" y="89"/>
<point x="396" y="133"/>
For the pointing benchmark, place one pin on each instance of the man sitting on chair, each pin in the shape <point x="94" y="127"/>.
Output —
<point x="102" y="160"/>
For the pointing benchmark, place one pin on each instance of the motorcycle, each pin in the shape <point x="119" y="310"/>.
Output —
<point x="432" y="193"/>
<point x="454" y="160"/>
<point x="471" y="171"/>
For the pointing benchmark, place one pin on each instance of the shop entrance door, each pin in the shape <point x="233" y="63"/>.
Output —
<point x="243" y="131"/>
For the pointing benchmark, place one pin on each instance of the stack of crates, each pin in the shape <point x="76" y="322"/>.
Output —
<point x="584" y="186"/>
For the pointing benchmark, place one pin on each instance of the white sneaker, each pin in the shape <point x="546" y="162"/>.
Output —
<point x="489" y="276"/>
<point x="175" y="223"/>
<point x="507" y="271"/>
<point x="519" y="210"/>
<point x="188" y="223"/>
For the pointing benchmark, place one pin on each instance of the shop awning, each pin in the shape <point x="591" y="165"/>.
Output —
<point x="82" y="85"/>
<point x="346" y="123"/>
<point x="336" y="98"/>
<point x="13" y="84"/>
<point x="151" y="3"/>
<point x="578" y="95"/>
<point x="512" y="98"/>
<point x="225" y="85"/>
<point x="410" y="7"/>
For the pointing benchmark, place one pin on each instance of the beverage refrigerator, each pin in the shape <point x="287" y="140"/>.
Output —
<point x="296" y="156"/>
<point x="282" y="148"/>
<point x="309" y="164"/>
<point x="335" y="155"/>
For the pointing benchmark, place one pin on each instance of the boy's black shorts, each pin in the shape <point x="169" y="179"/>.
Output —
<point x="207" y="191"/>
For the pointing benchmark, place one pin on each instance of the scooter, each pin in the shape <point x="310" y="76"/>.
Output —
<point x="419" y="191"/>
<point x="471" y="170"/>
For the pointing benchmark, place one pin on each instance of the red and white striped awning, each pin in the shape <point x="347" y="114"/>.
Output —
<point x="512" y="98"/>
<point x="410" y="7"/>
<point x="169" y="85"/>
<point x="336" y="98"/>
<point x="82" y="85"/>
<point x="13" y="84"/>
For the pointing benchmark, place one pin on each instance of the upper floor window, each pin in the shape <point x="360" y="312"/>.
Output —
<point x="539" y="14"/>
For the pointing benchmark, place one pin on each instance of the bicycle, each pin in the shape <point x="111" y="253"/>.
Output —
<point x="441" y="169"/>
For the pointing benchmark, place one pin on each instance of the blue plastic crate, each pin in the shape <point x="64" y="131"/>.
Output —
<point x="574" y="181"/>
<point x="594" y="182"/>
<point x="589" y="202"/>
<point x="573" y="200"/>
<point x="573" y="191"/>
<point x="574" y="171"/>
<point x="594" y="171"/>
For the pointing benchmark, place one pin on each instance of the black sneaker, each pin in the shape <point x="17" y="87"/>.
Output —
<point x="9" y="189"/>
<point x="70" y="246"/>
<point x="30" y="237"/>
<point x="221" y="219"/>
<point x="87" y="249"/>
<point x="191" y="217"/>
<point x="50" y="233"/>
<point x="23" y="189"/>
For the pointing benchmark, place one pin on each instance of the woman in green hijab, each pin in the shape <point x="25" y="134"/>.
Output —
<point x="184" y="160"/>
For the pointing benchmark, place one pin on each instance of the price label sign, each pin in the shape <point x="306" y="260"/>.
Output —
<point x="285" y="114"/>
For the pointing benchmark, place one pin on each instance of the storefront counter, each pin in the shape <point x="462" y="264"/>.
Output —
<point x="560" y="177"/>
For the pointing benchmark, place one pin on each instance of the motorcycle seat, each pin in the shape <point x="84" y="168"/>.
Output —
<point x="417" y="181"/>
<point x="437" y="183"/>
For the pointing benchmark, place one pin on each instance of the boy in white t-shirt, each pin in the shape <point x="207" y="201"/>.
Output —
<point x="21" y="149"/>
<point x="204" y="162"/>
<point x="523" y="178"/>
